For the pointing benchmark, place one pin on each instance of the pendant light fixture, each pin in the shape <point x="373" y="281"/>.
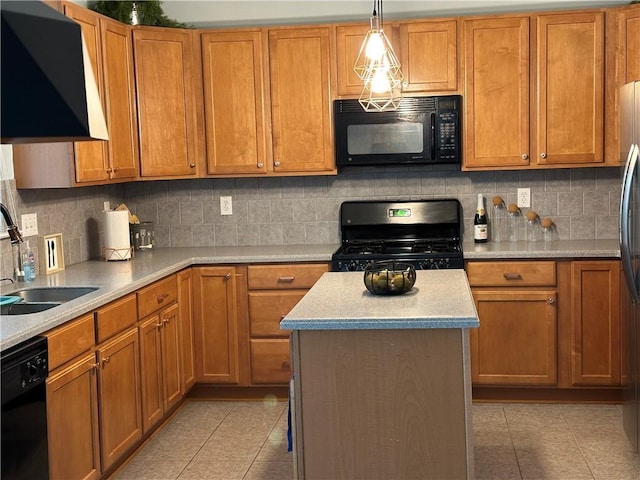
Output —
<point x="378" y="67"/>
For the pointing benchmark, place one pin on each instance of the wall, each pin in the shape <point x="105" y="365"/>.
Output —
<point x="305" y="210"/>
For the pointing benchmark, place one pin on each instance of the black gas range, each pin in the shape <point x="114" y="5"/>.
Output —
<point x="424" y="233"/>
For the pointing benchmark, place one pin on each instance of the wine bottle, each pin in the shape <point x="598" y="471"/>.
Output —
<point x="480" y="226"/>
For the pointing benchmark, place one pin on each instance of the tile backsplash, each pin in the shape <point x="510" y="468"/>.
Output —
<point x="583" y="203"/>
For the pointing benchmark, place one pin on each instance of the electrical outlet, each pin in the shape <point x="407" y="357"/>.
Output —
<point x="524" y="197"/>
<point x="29" y="225"/>
<point x="226" y="206"/>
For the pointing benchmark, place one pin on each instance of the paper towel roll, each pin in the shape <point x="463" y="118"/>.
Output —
<point x="117" y="245"/>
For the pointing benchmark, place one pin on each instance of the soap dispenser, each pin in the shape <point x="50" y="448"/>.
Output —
<point x="29" y="263"/>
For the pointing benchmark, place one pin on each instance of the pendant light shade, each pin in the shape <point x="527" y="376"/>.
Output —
<point x="378" y="67"/>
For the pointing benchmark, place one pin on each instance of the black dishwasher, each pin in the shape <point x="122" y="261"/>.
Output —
<point x="24" y="411"/>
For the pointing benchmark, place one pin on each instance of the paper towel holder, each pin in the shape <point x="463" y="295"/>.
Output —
<point x="110" y="254"/>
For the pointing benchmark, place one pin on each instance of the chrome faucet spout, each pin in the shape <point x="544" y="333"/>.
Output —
<point x="14" y="233"/>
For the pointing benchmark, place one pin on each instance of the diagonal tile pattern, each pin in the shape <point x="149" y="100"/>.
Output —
<point x="247" y="440"/>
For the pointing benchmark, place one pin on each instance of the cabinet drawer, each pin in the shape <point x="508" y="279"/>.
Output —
<point x="270" y="362"/>
<point x="115" y="317"/>
<point x="70" y="340"/>
<point x="285" y="275"/>
<point x="513" y="274"/>
<point x="267" y="309"/>
<point x="157" y="295"/>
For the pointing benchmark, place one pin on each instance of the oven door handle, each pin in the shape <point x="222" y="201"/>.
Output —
<point x="432" y="131"/>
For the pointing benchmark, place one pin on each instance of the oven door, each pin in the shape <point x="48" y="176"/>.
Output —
<point x="382" y="138"/>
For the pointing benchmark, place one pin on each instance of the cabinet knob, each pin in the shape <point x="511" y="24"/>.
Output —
<point x="550" y="301"/>
<point x="260" y="165"/>
<point x="228" y="276"/>
<point x="543" y="155"/>
<point x="95" y="366"/>
<point x="276" y="164"/>
<point x="158" y="326"/>
<point x="109" y="170"/>
<point x="161" y="298"/>
<point x="524" y="156"/>
<point x="165" y="321"/>
<point x="192" y="165"/>
<point x="105" y="360"/>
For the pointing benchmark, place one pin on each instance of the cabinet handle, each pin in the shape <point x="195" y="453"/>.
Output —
<point x="192" y="165"/>
<point x="287" y="279"/>
<point x="550" y="301"/>
<point x="260" y="165"/>
<point x="161" y="298"/>
<point x="512" y="276"/>
<point x="524" y="156"/>
<point x="94" y="366"/>
<point x="165" y="321"/>
<point x="105" y="360"/>
<point x="276" y="164"/>
<point x="543" y="155"/>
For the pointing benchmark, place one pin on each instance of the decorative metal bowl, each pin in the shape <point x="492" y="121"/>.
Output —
<point x="389" y="277"/>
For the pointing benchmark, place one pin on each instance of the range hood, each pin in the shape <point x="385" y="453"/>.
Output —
<point x="48" y="88"/>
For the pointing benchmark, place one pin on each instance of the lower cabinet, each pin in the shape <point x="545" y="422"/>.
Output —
<point x="158" y="330"/>
<point x="216" y="325"/>
<point x="546" y="323"/>
<point x="119" y="395"/>
<point x="185" y="331"/>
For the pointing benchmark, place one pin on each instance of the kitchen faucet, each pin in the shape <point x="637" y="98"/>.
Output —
<point x="14" y="233"/>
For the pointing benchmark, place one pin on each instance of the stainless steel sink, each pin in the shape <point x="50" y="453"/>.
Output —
<point x="25" y="308"/>
<point x="51" y="294"/>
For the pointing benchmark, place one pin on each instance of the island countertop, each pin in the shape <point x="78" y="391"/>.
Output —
<point x="340" y="301"/>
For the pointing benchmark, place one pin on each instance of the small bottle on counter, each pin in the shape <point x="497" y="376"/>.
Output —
<point x="480" y="223"/>
<point x="533" y="226"/>
<point x="29" y="264"/>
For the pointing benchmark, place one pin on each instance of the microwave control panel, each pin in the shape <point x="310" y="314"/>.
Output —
<point x="447" y="149"/>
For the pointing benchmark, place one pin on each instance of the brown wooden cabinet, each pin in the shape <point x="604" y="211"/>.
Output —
<point x="72" y="403"/>
<point x="236" y="107"/>
<point x="273" y="291"/>
<point x="349" y="39"/>
<point x="186" y="333"/>
<point x="595" y="322"/>
<point x="429" y="55"/>
<point x="167" y="71"/>
<point x="516" y="343"/>
<point x="119" y="396"/>
<point x="564" y="124"/>
<point x="109" y="46"/>
<point x="302" y="82"/>
<point x="629" y="43"/>
<point x="216" y="325"/>
<point x="160" y="361"/>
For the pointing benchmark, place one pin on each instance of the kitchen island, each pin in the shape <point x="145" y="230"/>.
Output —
<point x="382" y="386"/>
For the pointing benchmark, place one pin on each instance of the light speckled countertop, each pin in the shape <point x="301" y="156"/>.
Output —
<point x="340" y="301"/>
<point x="115" y="279"/>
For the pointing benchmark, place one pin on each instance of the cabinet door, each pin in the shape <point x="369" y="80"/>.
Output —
<point x="185" y="302"/>
<point x="234" y="94"/>
<point x="570" y="88"/>
<point x="595" y="322"/>
<point x="117" y="54"/>
<point x="91" y="158"/>
<point x="630" y="43"/>
<point x="72" y="421"/>
<point x="428" y="55"/>
<point x="496" y="97"/>
<point x="171" y="391"/>
<point x="119" y="396"/>
<point x="165" y="67"/>
<point x="216" y="325"/>
<point x="516" y="342"/>
<point x="301" y="109"/>
<point x="151" y="371"/>
<point x="349" y="39"/>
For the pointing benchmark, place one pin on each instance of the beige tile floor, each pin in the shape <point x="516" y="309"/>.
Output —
<point x="247" y="440"/>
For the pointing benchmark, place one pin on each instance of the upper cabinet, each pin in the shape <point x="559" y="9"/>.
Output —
<point x="534" y="91"/>
<point x="234" y="101"/>
<point x="167" y="67"/>
<point x="109" y="47"/>
<point x="429" y="56"/>
<point x="629" y="41"/>
<point x="427" y="51"/>
<point x="301" y="111"/>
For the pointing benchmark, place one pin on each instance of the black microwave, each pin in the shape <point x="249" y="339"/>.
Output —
<point x="423" y="130"/>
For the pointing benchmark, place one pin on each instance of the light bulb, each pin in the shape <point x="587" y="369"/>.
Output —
<point x="375" y="46"/>
<point x="380" y="82"/>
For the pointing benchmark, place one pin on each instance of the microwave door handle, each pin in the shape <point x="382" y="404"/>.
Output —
<point x="433" y="135"/>
<point x="625" y="247"/>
